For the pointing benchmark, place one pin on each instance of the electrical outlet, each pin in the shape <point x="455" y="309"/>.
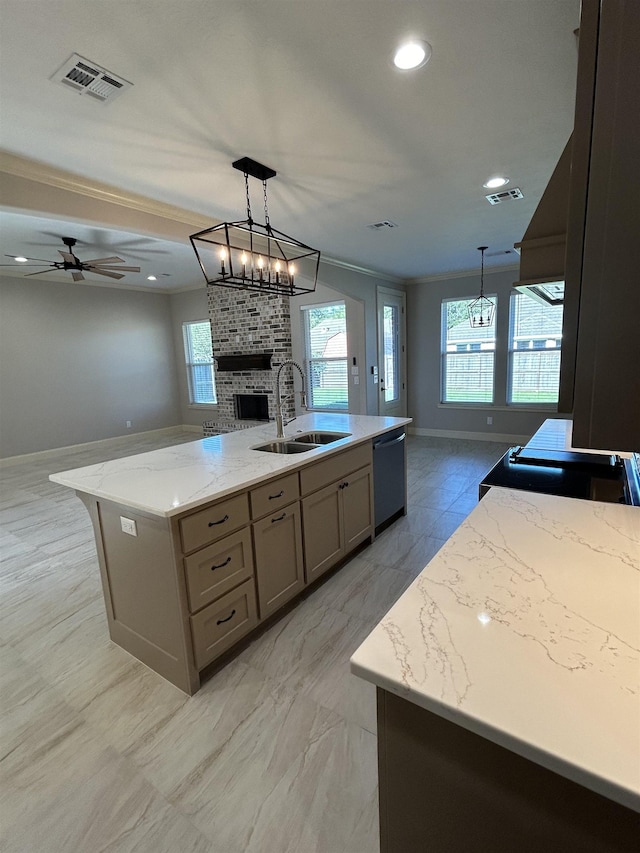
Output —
<point x="490" y="421"/>
<point x="128" y="525"/>
<point x="128" y="424"/>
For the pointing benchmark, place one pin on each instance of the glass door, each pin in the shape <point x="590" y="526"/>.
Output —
<point x="391" y="353"/>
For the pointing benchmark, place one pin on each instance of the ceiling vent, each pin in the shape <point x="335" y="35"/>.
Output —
<point x="89" y="78"/>
<point x="385" y="223"/>
<point x="505" y="195"/>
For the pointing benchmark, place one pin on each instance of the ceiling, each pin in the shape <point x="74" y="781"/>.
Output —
<point x="306" y="87"/>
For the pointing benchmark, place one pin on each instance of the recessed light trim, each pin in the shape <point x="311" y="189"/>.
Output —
<point x="495" y="182"/>
<point x="412" y="54"/>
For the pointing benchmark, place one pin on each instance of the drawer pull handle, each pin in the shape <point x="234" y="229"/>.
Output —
<point x="343" y="485"/>
<point x="279" y="518"/>
<point x="220" y="565"/>
<point x="222" y="521"/>
<point x="279" y="495"/>
<point x="220" y="621"/>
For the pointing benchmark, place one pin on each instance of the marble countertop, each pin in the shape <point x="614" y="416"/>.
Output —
<point x="557" y="434"/>
<point x="170" y="481"/>
<point x="525" y="628"/>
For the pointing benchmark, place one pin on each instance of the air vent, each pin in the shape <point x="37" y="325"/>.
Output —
<point x="88" y="78"/>
<point x="385" y="223"/>
<point x="505" y="195"/>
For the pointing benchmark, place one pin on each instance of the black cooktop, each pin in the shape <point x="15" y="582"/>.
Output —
<point x="602" y="478"/>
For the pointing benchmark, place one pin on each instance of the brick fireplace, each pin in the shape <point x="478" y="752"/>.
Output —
<point x="248" y="323"/>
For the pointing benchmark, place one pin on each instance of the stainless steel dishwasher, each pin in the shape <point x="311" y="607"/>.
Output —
<point x="389" y="478"/>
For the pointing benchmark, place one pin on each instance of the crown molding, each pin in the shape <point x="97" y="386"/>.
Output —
<point x="345" y="265"/>
<point x="33" y="170"/>
<point x="461" y="274"/>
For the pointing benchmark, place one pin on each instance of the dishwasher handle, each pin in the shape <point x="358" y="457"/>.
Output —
<point x="388" y="443"/>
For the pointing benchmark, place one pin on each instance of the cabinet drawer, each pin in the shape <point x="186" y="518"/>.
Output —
<point x="329" y="470"/>
<point x="214" y="570"/>
<point x="220" y="625"/>
<point x="213" y="523"/>
<point x="272" y="496"/>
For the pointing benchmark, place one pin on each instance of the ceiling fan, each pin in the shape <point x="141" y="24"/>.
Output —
<point x="110" y="267"/>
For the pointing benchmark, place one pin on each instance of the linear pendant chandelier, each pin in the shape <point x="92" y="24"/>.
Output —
<point x="481" y="310"/>
<point x="248" y="255"/>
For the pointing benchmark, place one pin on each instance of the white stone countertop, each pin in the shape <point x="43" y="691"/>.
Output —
<point x="170" y="481"/>
<point x="525" y="628"/>
<point x="557" y="434"/>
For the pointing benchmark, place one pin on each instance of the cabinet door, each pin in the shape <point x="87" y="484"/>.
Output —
<point x="322" y="525"/>
<point x="279" y="565"/>
<point x="356" y="507"/>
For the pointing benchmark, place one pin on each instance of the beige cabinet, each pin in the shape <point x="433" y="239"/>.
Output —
<point x="336" y="519"/>
<point x="180" y="592"/>
<point x="220" y="625"/>
<point x="277" y="543"/>
<point x="218" y="568"/>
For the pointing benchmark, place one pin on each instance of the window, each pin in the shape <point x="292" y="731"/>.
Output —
<point x="468" y="355"/>
<point x="535" y="336"/>
<point x="326" y="363"/>
<point x="198" y="354"/>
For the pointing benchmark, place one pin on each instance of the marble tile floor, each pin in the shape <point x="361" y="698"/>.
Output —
<point x="275" y="754"/>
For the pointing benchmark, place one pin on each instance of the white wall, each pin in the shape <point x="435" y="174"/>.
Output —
<point x="77" y="362"/>
<point x="423" y="344"/>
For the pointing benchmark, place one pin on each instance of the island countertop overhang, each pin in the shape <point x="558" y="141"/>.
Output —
<point x="524" y="629"/>
<point x="177" y="479"/>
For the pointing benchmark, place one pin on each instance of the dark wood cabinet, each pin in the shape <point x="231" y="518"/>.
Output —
<point x="600" y="378"/>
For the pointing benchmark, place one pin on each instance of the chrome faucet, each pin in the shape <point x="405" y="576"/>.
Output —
<point x="280" y="421"/>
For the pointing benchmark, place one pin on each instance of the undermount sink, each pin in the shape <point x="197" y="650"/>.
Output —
<point x="320" y="437"/>
<point x="284" y="447"/>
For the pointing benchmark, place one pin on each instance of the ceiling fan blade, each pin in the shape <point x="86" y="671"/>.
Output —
<point x="77" y="276"/>
<point x="29" y="259"/>
<point x="67" y="257"/>
<point x="106" y="272"/>
<point x="117" y="268"/>
<point x="24" y="265"/>
<point x="113" y="260"/>
<point x="40" y="272"/>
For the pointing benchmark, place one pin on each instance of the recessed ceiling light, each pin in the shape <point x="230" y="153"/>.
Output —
<point x="21" y="260"/>
<point x="494" y="183"/>
<point x="412" y="54"/>
<point x="151" y="278"/>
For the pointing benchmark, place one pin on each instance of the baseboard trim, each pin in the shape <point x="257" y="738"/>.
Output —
<point x="7" y="461"/>
<point x="474" y="436"/>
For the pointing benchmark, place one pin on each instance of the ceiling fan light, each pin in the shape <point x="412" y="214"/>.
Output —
<point x="21" y="260"/>
<point x="412" y="54"/>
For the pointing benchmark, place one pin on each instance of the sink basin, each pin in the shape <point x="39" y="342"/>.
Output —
<point x="284" y="447"/>
<point x="320" y="437"/>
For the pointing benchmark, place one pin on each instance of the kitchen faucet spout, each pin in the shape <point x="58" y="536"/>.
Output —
<point x="280" y="420"/>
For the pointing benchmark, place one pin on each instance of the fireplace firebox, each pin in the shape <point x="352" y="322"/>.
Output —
<point x="251" y="407"/>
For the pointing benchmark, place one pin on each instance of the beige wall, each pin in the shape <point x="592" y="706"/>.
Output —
<point x="77" y="362"/>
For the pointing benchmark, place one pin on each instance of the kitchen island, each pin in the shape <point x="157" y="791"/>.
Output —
<point x="507" y="676"/>
<point x="201" y="543"/>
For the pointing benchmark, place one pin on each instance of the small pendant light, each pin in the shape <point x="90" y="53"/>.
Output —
<point x="481" y="310"/>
